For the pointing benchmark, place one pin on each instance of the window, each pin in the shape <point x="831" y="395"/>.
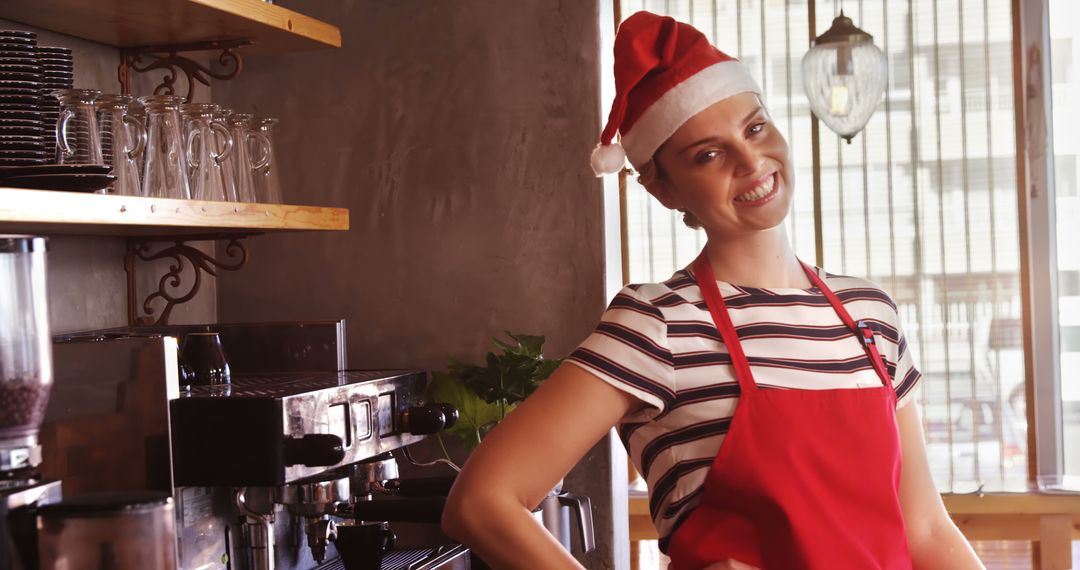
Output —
<point x="923" y="202"/>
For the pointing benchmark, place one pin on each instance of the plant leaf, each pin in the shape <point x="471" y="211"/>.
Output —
<point x="483" y="393"/>
<point x="528" y="345"/>
<point x="475" y="416"/>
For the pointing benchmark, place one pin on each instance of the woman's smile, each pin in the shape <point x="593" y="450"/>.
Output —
<point x="759" y="192"/>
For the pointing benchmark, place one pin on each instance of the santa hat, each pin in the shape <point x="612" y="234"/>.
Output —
<point x="665" y="73"/>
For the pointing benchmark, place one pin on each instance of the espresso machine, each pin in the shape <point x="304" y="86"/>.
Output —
<point x="294" y="467"/>
<point x="26" y="376"/>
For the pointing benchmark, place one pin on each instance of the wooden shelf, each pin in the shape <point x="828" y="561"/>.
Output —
<point x="136" y="23"/>
<point x="47" y="212"/>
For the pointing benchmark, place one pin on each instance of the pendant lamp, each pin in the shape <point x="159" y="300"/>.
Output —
<point x="844" y="75"/>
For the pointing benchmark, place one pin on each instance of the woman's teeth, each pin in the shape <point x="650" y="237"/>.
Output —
<point x="762" y="190"/>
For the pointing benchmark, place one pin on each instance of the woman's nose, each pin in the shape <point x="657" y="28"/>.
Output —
<point x="748" y="159"/>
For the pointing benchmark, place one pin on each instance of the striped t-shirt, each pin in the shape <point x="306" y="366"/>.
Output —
<point x="657" y="341"/>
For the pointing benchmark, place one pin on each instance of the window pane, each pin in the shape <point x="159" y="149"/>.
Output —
<point x="923" y="202"/>
<point x="1066" y="87"/>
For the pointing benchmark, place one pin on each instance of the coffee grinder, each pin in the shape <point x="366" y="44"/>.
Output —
<point x="26" y="376"/>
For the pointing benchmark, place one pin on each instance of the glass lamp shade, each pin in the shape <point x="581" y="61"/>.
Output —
<point x="844" y="76"/>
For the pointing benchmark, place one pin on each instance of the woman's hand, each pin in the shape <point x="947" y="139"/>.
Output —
<point x="730" y="565"/>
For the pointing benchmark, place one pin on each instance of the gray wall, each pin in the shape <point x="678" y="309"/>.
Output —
<point x="87" y="282"/>
<point x="458" y="135"/>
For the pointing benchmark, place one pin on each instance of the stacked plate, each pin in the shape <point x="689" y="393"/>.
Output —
<point x="66" y="177"/>
<point x="58" y="73"/>
<point x="22" y="124"/>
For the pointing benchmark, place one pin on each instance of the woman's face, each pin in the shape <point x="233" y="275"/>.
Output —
<point x="728" y="166"/>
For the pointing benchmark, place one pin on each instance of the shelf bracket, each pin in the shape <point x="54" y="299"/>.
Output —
<point x="171" y="289"/>
<point x="170" y="58"/>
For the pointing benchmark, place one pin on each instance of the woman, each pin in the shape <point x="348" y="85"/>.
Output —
<point x="770" y="418"/>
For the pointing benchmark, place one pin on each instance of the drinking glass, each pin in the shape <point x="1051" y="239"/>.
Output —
<point x="77" y="137"/>
<point x="165" y="172"/>
<point x="138" y="111"/>
<point x="219" y="118"/>
<point x="126" y="137"/>
<point x="208" y="146"/>
<point x="239" y="165"/>
<point x="206" y="362"/>
<point x="267" y="177"/>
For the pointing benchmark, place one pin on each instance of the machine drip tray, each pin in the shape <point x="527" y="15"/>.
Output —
<point x="414" y="559"/>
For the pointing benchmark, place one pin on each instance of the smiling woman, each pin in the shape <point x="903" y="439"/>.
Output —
<point x="734" y="134"/>
<point x="765" y="401"/>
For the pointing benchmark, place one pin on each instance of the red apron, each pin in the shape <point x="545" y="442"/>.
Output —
<point x="804" y="478"/>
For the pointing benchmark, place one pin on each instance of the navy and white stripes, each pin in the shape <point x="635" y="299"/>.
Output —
<point x="657" y="342"/>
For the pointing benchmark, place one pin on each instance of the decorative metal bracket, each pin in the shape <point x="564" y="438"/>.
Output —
<point x="170" y="289"/>
<point x="169" y="58"/>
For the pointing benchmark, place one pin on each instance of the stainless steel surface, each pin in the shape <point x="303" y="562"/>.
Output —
<point x="309" y="346"/>
<point x="258" y="533"/>
<point x="581" y="510"/>
<point x="447" y="557"/>
<point x="203" y="517"/>
<point x="107" y="424"/>
<point x="221" y="440"/>
<point x="121" y="531"/>
<point x="315" y="497"/>
<point x="441" y="557"/>
<point x="15" y="496"/>
<point x="558" y="510"/>
<point x="20" y="452"/>
<point x="120" y="386"/>
<point x="367" y="476"/>
<point x="321" y="531"/>
<point x="18" y="521"/>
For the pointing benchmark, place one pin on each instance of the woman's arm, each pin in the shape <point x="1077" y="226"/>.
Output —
<point x="933" y="539"/>
<point x="521" y="460"/>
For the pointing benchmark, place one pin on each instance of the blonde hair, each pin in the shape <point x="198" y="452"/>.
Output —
<point x="650" y="173"/>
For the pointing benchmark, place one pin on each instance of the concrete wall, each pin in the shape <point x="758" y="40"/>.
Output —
<point x="458" y="135"/>
<point x="87" y="282"/>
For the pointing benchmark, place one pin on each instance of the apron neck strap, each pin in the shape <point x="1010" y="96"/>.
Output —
<point x="861" y="329"/>
<point x="706" y="281"/>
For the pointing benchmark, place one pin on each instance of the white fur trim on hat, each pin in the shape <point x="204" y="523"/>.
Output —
<point x="680" y="103"/>
<point x="608" y="158"/>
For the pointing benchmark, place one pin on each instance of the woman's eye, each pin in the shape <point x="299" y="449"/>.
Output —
<point x="757" y="128"/>
<point x="707" y="156"/>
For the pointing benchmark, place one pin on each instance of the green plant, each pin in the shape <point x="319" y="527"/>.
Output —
<point x="484" y="395"/>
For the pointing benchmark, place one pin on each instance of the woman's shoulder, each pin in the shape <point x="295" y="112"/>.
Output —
<point x="850" y="288"/>
<point x="680" y="286"/>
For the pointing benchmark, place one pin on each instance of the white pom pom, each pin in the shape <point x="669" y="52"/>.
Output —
<point x="608" y="159"/>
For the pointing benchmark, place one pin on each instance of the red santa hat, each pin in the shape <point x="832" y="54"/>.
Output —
<point x="665" y="73"/>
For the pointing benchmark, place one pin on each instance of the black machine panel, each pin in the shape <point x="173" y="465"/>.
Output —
<point x="277" y="428"/>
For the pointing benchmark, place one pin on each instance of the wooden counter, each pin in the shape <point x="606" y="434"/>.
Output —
<point x="1052" y="521"/>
